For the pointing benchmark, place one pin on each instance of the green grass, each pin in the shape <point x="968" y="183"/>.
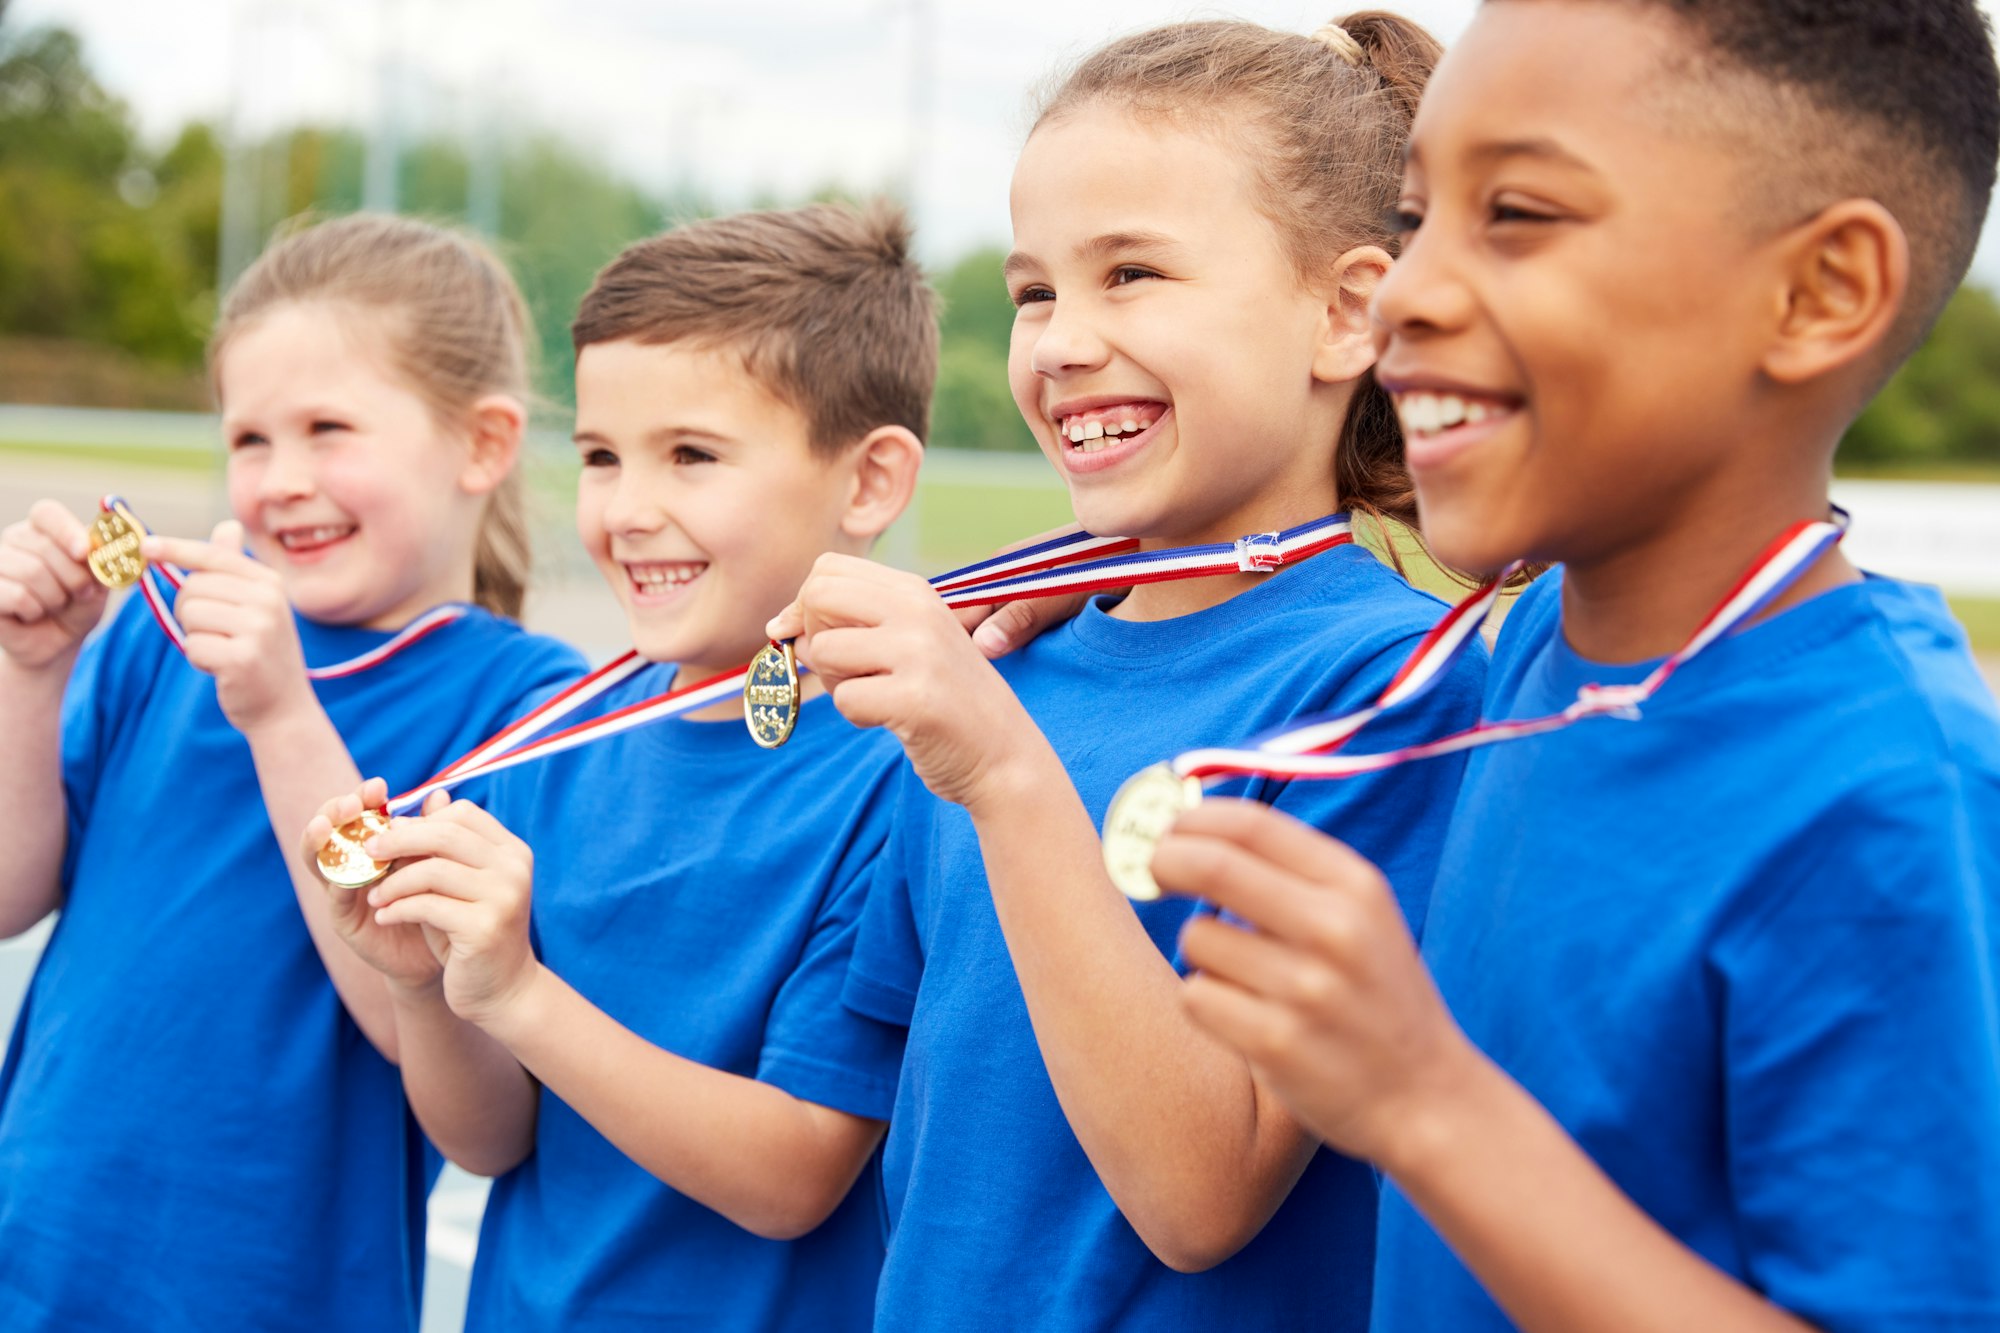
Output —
<point x="193" y="458"/>
<point x="1986" y="473"/>
<point x="1981" y="618"/>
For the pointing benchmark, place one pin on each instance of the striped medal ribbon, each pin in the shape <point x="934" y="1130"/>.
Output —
<point x="1078" y="562"/>
<point x="1146" y="806"/>
<point x="343" y="863"/>
<point x="116" y="562"/>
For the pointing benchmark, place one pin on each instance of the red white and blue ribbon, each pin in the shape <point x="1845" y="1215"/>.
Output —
<point x="518" y="743"/>
<point x="160" y="601"/>
<point x="1082" y="563"/>
<point x="1307" y="750"/>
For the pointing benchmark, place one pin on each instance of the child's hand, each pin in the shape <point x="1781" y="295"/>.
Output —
<point x="409" y="956"/>
<point x="470" y="891"/>
<point x="894" y="656"/>
<point x="1322" y="990"/>
<point x="1000" y="629"/>
<point x="239" y="626"/>
<point x="48" y="599"/>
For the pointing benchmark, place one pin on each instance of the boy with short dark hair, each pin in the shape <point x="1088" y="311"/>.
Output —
<point x="1708" y="1038"/>
<point x="665" y="1082"/>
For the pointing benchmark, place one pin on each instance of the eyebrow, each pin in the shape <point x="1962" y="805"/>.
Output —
<point x="1539" y="149"/>
<point x="657" y="437"/>
<point x="1099" y="247"/>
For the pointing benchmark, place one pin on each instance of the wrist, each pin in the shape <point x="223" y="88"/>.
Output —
<point x="38" y="679"/>
<point x="1018" y="776"/>
<point x="414" y="996"/>
<point x="1427" y="1137"/>
<point x="517" y="1011"/>
<point x="293" y="724"/>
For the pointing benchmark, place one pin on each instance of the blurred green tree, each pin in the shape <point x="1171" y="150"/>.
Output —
<point x="1943" y="406"/>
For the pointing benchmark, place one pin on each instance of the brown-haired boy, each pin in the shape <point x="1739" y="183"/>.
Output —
<point x="664" y="1079"/>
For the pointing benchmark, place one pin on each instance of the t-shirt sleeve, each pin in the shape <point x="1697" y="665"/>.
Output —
<point x="1862" y="1069"/>
<point x="815" y="1047"/>
<point x="888" y="960"/>
<point x="98" y="704"/>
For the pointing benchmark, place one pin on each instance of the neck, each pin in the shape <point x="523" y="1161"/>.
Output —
<point x="1644" y="599"/>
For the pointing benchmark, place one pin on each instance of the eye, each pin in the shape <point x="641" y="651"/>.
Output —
<point x="327" y="425"/>
<point x="246" y="440"/>
<point x="1032" y="293"/>
<point x="1403" y="219"/>
<point x="1126" y="274"/>
<point x="688" y="454"/>
<point x="599" y="458"/>
<point x="1505" y="211"/>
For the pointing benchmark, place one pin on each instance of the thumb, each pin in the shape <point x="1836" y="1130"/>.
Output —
<point x="228" y="535"/>
<point x="1016" y="623"/>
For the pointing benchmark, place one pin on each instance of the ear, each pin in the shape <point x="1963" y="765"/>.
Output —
<point x="884" y="476"/>
<point x="498" y="423"/>
<point x="1346" y="347"/>
<point x="1847" y="274"/>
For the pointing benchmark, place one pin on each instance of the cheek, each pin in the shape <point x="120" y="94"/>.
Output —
<point x="244" y="473"/>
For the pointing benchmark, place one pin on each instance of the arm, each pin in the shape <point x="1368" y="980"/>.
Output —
<point x="48" y="603"/>
<point x="1196" y="1153"/>
<point x="240" y="631"/>
<point x="772" y="1163"/>
<point x="1326" y="996"/>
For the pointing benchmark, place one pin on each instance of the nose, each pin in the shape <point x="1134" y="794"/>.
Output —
<point x="633" y="509"/>
<point x="1068" y="342"/>
<point x="1423" y="291"/>
<point x="287" y="474"/>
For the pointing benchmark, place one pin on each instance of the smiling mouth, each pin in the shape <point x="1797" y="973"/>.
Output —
<point x="301" y="541"/>
<point x="1101" y="427"/>
<point x="661" y="578"/>
<point x="1426" y="414"/>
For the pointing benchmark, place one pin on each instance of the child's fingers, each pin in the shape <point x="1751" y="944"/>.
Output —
<point x="477" y="820"/>
<point x="432" y="837"/>
<point x="1016" y="623"/>
<point x="844" y="653"/>
<point x="453" y="916"/>
<point x="71" y="573"/>
<point x="1287" y="843"/>
<point x="1258" y="1028"/>
<point x="206" y="615"/>
<point x="1224" y="872"/>
<point x="374" y="793"/>
<point x="446" y="878"/>
<point x="1259" y="965"/>
<point x="63" y="528"/>
<point x="787" y="624"/>
<point x="191" y="554"/>
<point x="42" y="592"/>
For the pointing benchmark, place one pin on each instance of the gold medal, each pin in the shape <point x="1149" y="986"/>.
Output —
<point x="1140" y="815"/>
<point x="114" y="556"/>
<point x="771" y="696"/>
<point x="343" y="864"/>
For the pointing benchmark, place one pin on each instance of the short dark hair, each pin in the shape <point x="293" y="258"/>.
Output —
<point x="1895" y="100"/>
<point x="825" y="304"/>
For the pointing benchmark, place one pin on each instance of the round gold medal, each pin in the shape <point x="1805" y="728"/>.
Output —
<point x="1140" y="815"/>
<point x="771" y="696"/>
<point x="114" y="556"/>
<point x="343" y="864"/>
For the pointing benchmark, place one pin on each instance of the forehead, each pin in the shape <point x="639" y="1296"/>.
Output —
<point x="313" y="349"/>
<point x="628" y="386"/>
<point x="1599" y="79"/>
<point x="1103" y="170"/>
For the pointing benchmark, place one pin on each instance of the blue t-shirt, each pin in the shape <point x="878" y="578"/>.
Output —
<point x="705" y="894"/>
<point x="998" y="1219"/>
<point x="1742" y="950"/>
<point x="193" y="1133"/>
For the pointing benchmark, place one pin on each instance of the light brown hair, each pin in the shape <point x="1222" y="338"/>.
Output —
<point x="1326" y="118"/>
<point x="454" y="327"/>
<point x="825" y="305"/>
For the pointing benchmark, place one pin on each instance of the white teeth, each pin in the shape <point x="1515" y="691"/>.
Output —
<point x="1088" y="435"/>
<point x="655" y="578"/>
<point x="1429" y="413"/>
<point x="310" y="536"/>
<point x="1093" y="431"/>
<point x="1128" y="425"/>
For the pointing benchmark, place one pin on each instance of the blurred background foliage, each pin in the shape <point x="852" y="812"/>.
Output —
<point x="108" y="265"/>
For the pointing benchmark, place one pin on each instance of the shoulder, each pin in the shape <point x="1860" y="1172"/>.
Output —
<point x="511" y="662"/>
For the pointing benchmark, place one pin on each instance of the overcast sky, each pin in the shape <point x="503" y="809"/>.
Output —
<point x="745" y="97"/>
